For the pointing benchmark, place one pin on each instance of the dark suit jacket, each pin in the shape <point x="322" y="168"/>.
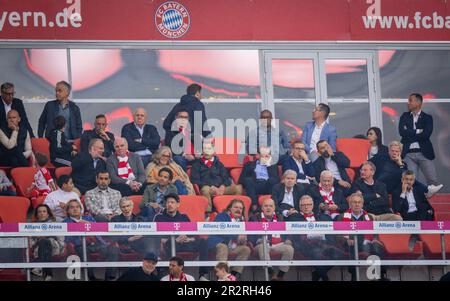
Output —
<point x="278" y="195"/>
<point x="150" y="138"/>
<point x="83" y="171"/>
<point x="112" y="165"/>
<point x="408" y="134"/>
<point x="49" y="114"/>
<point x="216" y="175"/>
<point x="381" y="157"/>
<point x="257" y="218"/>
<point x="308" y="169"/>
<point x="400" y="205"/>
<point x="249" y="172"/>
<point x="91" y="134"/>
<point x="338" y="198"/>
<point x="17" y="105"/>
<point x="342" y="163"/>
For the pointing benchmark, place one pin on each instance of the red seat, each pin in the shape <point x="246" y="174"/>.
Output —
<point x="263" y="197"/>
<point x="227" y="149"/>
<point x="397" y="246"/>
<point x="13" y="209"/>
<point x="66" y="170"/>
<point x="351" y="173"/>
<point x="136" y="201"/>
<point x="432" y="245"/>
<point x="221" y="202"/>
<point x="23" y="177"/>
<point x="77" y="143"/>
<point x="235" y="173"/>
<point x="38" y="201"/>
<point x="42" y="145"/>
<point x="194" y="206"/>
<point x="355" y="149"/>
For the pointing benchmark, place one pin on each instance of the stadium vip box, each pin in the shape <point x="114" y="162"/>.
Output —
<point x="58" y="227"/>
<point x="117" y="227"/>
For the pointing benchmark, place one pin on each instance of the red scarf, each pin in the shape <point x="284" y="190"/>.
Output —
<point x="328" y="199"/>
<point x="182" y="277"/>
<point x="348" y="218"/>
<point x="209" y="162"/>
<point x="309" y="217"/>
<point x="276" y="238"/>
<point x="123" y="169"/>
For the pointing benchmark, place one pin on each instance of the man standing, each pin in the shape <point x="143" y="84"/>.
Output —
<point x="61" y="107"/>
<point x="415" y="128"/>
<point x="11" y="103"/>
<point x="143" y="139"/>
<point x="99" y="132"/>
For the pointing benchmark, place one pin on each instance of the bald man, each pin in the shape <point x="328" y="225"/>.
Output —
<point x="143" y="139"/>
<point x="15" y="142"/>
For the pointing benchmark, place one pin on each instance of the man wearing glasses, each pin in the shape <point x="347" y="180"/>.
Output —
<point x="10" y="103"/>
<point x="299" y="162"/>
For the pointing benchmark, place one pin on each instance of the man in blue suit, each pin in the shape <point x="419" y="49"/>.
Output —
<point x="318" y="129"/>
<point x="415" y="128"/>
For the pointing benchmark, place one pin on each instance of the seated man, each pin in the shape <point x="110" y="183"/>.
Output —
<point x="139" y="243"/>
<point x="102" y="201"/>
<point x="183" y="243"/>
<point x="316" y="246"/>
<point x="259" y="177"/>
<point x="126" y="170"/>
<point x="99" y="132"/>
<point x="410" y="201"/>
<point x="275" y="242"/>
<point x="94" y="244"/>
<point x="299" y="162"/>
<point x="57" y="200"/>
<point x="327" y="199"/>
<point x="143" y="139"/>
<point x="6" y="186"/>
<point x="224" y="244"/>
<point x="85" y="166"/>
<point x="212" y="177"/>
<point x="366" y="243"/>
<point x="287" y="194"/>
<point x="176" y="265"/>
<point x="336" y="162"/>
<point x="152" y="202"/>
<point x="15" y="143"/>
<point x="147" y="272"/>
<point x="374" y="194"/>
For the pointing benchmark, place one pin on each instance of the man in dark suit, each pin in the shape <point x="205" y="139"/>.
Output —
<point x="85" y="166"/>
<point x="259" y="177"/>
<point x="143" y="139"/>
<point x="336" y="162"/>
<point x="99" y="132"/>
<point x="287" y="195"/>
<point x="415" y="128"/>
<point x="410" y="201"/>
<point x="61" y="107"/>
<point x="11" y="103"/>
<point x="299" y="162"/>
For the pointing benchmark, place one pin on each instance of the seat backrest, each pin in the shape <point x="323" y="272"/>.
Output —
<point x="42" y="145"/>
<point x="193" y="206"/>
<point x="66" y="170"/>
<point x="77" y="143"/>
<point x="13" y="209"/>
<point x="221" y="202"/>
<point x="263" y="197"/>
<point x="355" y="149"/>
<point x="23" y="177"/>
<point x="227" y="149"/>
<point x="351" y="173"/>
<point x="235" y="173"/>
<point x="136" y="201"/>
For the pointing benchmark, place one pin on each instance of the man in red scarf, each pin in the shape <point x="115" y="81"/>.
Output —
<point x="176" y="265"/>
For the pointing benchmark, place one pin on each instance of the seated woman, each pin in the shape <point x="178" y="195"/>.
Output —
<point x="163" y="158"/>
<point x="45" y="247"/>
<point x="377" y="152"/>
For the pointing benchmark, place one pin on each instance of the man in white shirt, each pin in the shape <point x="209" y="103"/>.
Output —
<point x="58" y="199"/>
<point x="176" y="265"/>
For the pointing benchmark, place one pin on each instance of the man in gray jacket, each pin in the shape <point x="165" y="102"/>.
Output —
<point x="126" y="170"/>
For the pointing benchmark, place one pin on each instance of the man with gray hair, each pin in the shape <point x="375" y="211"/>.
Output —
<point x="62" y="106"/>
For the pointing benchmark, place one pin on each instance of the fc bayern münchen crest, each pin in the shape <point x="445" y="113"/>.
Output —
<point x="172" y="19"/>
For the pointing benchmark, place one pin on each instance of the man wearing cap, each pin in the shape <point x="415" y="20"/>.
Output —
<point x="147" y="272"/>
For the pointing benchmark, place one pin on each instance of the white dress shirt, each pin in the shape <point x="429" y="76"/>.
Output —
<point x="7" y="107"/>
<point x="409" y="195"/>
<point x="416" y="145"/>
<point x="332" y="166"/>
<point x="145" y="152"/>
<point x="316" y="136"/>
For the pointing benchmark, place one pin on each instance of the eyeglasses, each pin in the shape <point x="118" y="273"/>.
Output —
<point x="9" y="94"/>
<point x="166" y="156"/>
<point x="306" y="205"/>
<point x="299" y="148"/>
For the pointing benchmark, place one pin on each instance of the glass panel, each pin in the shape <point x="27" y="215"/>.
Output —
<point x="293" y="116"/>
<point x="350" y="119"/>
<point x="136" y="73"/>
<point x="293" y="78"/>
<point x="347" y="78"/>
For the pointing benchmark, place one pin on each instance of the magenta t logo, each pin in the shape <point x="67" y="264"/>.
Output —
<point x="353" y="225"/>
<point x="265" y="226"/>
<point x="440" y="225"/>
<point x="87" y="226"/>
<point x="176" y="226"/>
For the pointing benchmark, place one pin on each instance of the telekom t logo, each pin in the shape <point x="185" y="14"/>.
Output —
<point x="353" y="225"/>
<point x="87" y="226"/>
<point x="440" y="225"/>
<point x="265" y="226"/>
<point x="176" y="226"/>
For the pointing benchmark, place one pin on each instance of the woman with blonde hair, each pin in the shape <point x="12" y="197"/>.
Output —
<point x="163" y="158"/>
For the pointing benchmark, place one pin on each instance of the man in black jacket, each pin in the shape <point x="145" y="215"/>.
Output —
<point x="212" y="177"/>
<point x="15" y="144"/>
<point x="99" y="132"/>
<point x="336" y="162"/>
<point x="85" y="166"/>
<point x="415" y="128"/>
<point x="11" y="103"/>
<point x="61" y="107"/>
<point x="143" y="139"/>
<point x="287" y="195"/>
<point x="410" y="201"/>
<point x="374" y="194"/>
<point x="259" y="177"/>
<point x="148" y="271"/>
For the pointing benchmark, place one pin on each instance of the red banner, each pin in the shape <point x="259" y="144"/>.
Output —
<point x="226" y="20"/>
